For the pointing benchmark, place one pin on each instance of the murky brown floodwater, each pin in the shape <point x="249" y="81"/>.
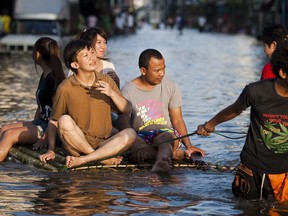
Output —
<point x="211" y="70"/>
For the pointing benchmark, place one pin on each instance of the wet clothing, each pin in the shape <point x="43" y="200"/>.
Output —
<point x="149" y="136"/>
<point x="279" y="183"/>
<point x="266" y="146"/>
<point x="150" y="108"/>
<point x="250" y="184"/>
<point x="256" y="185"/>
<point x="267" y="72"/>
<point x="88" y="107"/>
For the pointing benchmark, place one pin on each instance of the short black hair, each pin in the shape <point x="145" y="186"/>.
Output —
<point x="146" y="55"/>
<point x="279" y="58"/>
<point x="276" y="32"/>
<point x="72" y="49"/>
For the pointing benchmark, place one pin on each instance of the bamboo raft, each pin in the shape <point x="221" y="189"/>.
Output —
<point x="26" y="155"/>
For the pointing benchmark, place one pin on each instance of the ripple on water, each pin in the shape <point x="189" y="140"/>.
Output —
<point x="210" y="69"/>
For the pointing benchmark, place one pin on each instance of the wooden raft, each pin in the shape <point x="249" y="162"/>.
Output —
<point x="26" y="155"/>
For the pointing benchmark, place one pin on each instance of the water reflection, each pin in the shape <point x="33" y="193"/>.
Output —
<point x="211" y="70"/>
<point x="120" y="193"/>
<point x="17" y="88"/>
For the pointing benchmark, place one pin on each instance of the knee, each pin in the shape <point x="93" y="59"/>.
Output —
<point x="3" y="129"/>
<point x="165" y="136"/>
<point x="7" y="134"/>
<point x="130" y="135"/>
<point x="65" y="122"/>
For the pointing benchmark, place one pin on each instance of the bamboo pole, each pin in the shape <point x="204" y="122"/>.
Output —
<point x="26" y="159"/>
<point x="36" y="155"/>
<point x="26" y="155"/>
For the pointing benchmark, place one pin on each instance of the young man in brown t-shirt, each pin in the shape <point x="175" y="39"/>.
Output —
<point x="82" y="112"/>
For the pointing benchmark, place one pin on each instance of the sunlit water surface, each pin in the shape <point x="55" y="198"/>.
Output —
<point x="211" y="70"/>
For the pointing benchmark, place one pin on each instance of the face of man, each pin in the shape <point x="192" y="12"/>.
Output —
<point x="86" y="60"/>
<point x="155" y="72"/>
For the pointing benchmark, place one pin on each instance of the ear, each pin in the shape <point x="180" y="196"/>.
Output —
<point x="273" y="45"/>
<point x="282" y="74"/>
<point x="74" y="65"/>
<point x="143" y="71"/>
<point x="36" y="55"/>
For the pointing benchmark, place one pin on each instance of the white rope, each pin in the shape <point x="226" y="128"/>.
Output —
<point x="262" y="185"/>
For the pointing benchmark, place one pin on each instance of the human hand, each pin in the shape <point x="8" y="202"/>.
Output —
<point x="49" y="155"/>
<point x="203" y="130"/>
<point x="104" y="88"/>
<point x="41" y="143"/>
<point x="192" y="150"/>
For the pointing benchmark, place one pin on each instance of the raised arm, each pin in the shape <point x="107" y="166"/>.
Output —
<point x="224" y="115"/>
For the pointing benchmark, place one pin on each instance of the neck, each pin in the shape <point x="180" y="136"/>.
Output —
<point x="46" y="69"/>
<point x="86" y="80"/>
<point x="144" y="83"/>
<point x="99" y="65"/>
<point x="282" y="87"/>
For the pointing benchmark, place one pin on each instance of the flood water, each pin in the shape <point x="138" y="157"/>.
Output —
<point x="211" y="70"/>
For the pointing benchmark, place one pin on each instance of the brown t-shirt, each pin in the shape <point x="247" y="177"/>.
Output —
<point x="88" y="107"/>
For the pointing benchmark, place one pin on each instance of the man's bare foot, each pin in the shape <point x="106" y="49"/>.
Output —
<point x="112" y="161"/>
<point x="72" y="161"/>
<point x="162" y="165"/>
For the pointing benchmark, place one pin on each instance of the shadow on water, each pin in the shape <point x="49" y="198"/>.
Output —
<point x="211" y="70"/>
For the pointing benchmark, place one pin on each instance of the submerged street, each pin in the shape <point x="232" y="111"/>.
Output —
<point x="211" y="70"/>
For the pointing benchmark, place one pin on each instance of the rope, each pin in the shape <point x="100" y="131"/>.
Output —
<point x="156" y="144"/>
<point x="177" y="138"/>
<point x="220" y="133"/>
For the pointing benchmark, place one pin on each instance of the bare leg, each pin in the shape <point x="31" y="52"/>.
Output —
<point x="164" y="154"/>
<point x="14" y="125"/>
<point x="72" y="137"/>
<point x="9" y="137"/>
<point x="141" y="152"/>
<point x="111" y="147"/>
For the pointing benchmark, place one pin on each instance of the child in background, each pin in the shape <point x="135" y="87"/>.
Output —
<point x="270" y="37"/>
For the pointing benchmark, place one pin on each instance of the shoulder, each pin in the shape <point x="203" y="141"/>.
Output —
<point x="260" y="87"/>
<point x="67" y="83"/>
<point x="107" y="62"/>
<point x="108" y="65"/>
<point x="170" y="85"/>
<point x="267" y="66"/>
<point x="127" y="86"/>
<point x="262" y="83"/>
<point x="267" y="72"/>
<point x="104" y="77"/>
<point x="168" y="81"/>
